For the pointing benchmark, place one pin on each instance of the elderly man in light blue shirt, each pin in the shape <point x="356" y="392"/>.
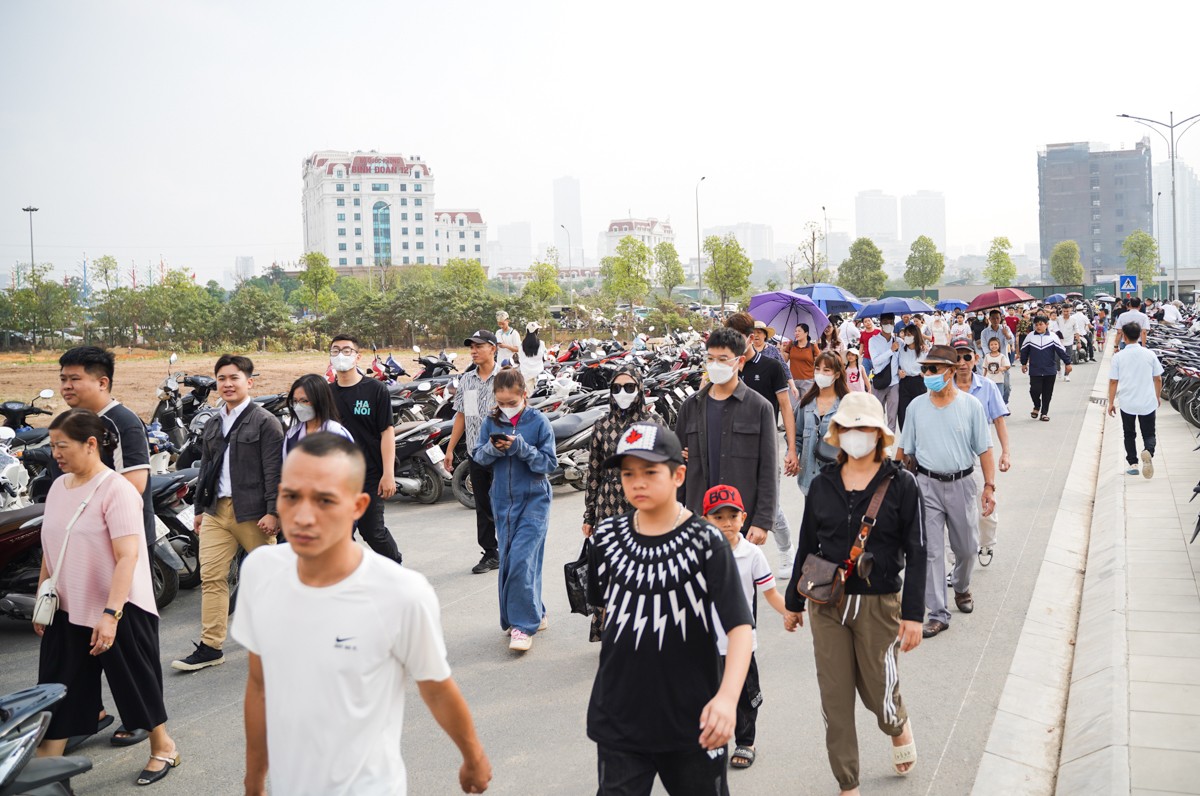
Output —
<point x="996" y="410"/>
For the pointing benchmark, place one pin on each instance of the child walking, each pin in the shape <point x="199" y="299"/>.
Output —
<point x="517" y="444"/>
<point x="723" y="507"/>
<point x="856" y="376"/>
<point x="660" y="703"/>
<point x="996" y="367"/>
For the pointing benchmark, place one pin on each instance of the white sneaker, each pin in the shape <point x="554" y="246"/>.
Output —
<point x="1067" y="377"/>
<point x="521" y="641"/>
<point x="1147" y="465"/>
<point x="545" y="624"/>
<point x="787" y="560"/>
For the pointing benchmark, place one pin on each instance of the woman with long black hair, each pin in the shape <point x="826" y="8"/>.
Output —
<point x="310" y="402"/>
<point x="813" y="413"/>
<point x="913" y="346"/>
<point x="533" y="356"/>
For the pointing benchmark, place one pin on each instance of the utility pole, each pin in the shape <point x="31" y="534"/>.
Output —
<point x="699" y="250"/>
<point x="30" y="210"/>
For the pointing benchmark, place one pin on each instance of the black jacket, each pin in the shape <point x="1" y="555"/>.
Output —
<point x="256" y="457"/>
<point x="831" y="523"/>
<point x="749" y="459"/>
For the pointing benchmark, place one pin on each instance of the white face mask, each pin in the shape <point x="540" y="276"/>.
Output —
<point x="304" y="412"/>
<point x="887" y="328"/>
<point x="342" y="362"/>
<point x="857" y="444"/>
<point x="718" y="373"/>
<point x="909" y="340"/>
<point x="625" y="399"/>
<point x="511" y="411"/>
<point x="822" y="380"/>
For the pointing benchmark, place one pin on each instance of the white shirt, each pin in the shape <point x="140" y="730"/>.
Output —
<point x="939" y="330"/>
<point x="1134" y="316"/>
<point x="1171" y="314"/>
<point x="753" y="573"/>
<point x="531" y="366"/>
<point x="1134" y="369"/>
<point x="503" y="355"/>
<point x="228" y="418"/>
<point x="336" y="661"/>
<point x="849" y="333"/>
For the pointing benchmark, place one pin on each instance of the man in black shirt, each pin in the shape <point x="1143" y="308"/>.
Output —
<point x="365" y="409"/>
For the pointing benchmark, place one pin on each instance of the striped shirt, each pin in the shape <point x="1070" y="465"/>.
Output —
<point x="474" y="400"/>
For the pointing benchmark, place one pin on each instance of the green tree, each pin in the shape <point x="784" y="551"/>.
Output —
<point x="813" y="266"/>
<point x="1000" y="270"/>
<point x="669" y="274"/>
<point x="1140" y="251"/>
<point x="316" y="281"/>
<point x="730" y="269"/>
<point x="253" y="315"/>
<point x="925" y="264"/>
<point x="214" y="289"/>
<point x="542" y="287"/>
<point x="862" y="273"/>
<point x="1065" y="268"/>
<point x="465" y="274"/>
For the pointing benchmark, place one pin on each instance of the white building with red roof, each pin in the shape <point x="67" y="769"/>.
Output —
<point x="649" y="231"/>
<point x="367" y="209"/>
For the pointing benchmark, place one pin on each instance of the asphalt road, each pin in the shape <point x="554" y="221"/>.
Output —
<point x="530" y="709"/>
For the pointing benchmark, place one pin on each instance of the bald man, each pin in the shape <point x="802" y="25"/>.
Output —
<point x="311" y="614"/>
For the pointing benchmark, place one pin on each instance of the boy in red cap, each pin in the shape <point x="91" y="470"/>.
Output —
<point x="723" y="508"/>
<point x="661" y="704"/>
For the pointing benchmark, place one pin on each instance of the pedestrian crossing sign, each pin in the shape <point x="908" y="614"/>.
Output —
<point x="1128" y="284"/>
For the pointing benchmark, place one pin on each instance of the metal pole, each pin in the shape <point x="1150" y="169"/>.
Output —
<point x="30" y="210"/>
<point x="1174" y="217"/>
<point x="826" y="235"/>
<point x="699" y="254"/>
<point x="570" y="267"/>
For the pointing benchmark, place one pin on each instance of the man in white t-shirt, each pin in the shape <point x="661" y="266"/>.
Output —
<point x="1134" y="315"/>
<point x="1171" y="314"/>
<point x="1135" y="382"/>
<point x="848" y="332"/>
<point x="508" y="341"/>
<point x="339" y="630"/>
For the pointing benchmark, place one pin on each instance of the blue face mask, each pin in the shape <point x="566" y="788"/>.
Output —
<point x="935" y="383"/>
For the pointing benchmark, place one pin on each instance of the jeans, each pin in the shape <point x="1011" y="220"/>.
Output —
<point x="1148" y="437"/>
<point x="683" y="773"/>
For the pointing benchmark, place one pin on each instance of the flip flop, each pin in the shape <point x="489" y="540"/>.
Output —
<point x="76" y="741"/>
<point x="134" y="738"/>
<point x="745" y="753"/>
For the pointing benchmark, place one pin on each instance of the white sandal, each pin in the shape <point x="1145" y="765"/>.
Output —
<point x="905" y="754"/>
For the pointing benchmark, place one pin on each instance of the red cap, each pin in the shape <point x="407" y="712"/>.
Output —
<point x="721" y="496"/>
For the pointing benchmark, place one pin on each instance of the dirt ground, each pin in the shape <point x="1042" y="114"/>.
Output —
<point x="139" y="373"/>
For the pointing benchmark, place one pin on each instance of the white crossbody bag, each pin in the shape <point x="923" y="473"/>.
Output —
<point x="46" y="604"/>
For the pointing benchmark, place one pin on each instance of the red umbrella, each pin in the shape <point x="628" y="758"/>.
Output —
<point x="998" y="298"/>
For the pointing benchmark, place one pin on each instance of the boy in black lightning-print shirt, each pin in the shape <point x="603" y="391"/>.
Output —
<point x="661" y="704"/>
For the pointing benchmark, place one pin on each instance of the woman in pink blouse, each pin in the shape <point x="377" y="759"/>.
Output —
<point x="107" y="620"/>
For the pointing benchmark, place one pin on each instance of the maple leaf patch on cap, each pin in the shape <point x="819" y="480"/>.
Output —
<point x="638" y="438"/>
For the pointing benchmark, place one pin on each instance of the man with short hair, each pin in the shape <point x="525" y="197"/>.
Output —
<point x="988" y="394"/>
<point x="1134" y="315"/>
<point x="240" y="455"/>
<point x="947" y="435"/>
<point x="1070" y="326"/>
<point x="1171" y="314"/>
<point x="474" y="401"/>
<point x="338" y="632"/>
<point x="728" y="433"/>
<point x="365" y="410"/>
<point x="885" y="367"/>
<point x="1039" y="358"/>
<point x="1135" y="382"/>
<point x="508" y="341"/>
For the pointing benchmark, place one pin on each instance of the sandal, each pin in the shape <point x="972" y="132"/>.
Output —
<point x="905" y="754"/>
<point x="1045" y="418"/>
<point x="76" y="741"/>
<point x="742" y="757"/>
<point x="1034" y="414"/>
<point x="124" y="737"/>
<point x="148" y="777"/>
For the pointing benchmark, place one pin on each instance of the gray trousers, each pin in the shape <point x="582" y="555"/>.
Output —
<point x="953" y="506"/>
<point x="781" y="529"/>
<point x="988" y="524"/>
<point x="890" y="398"/>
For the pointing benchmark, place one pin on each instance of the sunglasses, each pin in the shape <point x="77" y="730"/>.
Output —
<point x="966" y="357"/>
<point x="932" y="369"/>
<point x="618" y="388"/>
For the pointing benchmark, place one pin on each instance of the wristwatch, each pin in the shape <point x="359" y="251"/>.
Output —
<point x="114" y="614"/>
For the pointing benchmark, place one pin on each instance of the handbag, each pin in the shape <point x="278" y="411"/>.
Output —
<point x="883" y="379"/>
<point x="824" y="582"/>
<point x="46" y="604"/>
<point x="210" y="467"/>
<point x="577" y="581"/>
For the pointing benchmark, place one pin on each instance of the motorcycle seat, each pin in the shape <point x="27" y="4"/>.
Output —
<point x="162" y="484"/>
<point x="15" y="518"/>
<point x="569" y="425"/>
<point x="32" y="436"/>
<point x="44" y="771"/>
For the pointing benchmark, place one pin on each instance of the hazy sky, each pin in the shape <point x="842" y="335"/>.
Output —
<point x="177" y="129"/>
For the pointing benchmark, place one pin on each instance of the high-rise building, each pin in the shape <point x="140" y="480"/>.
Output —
<point x="875" y="217"/>
<point x="1187" y="211"/>
<point x="568" y="218"/>
<point x="1095" y="197"/>
<point x="515" y="246"/>
<point x="924" y="213"/>
<point x="365" y="209"/>
<point x="243" y="268"/>
<point x="649" y="231"/>
<point x="758" y="240"/>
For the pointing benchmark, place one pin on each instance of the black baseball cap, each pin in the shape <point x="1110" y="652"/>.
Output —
<point x="648" y="441"/>
<point x="481" y="336"/>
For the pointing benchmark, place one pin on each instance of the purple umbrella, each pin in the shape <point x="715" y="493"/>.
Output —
<point x="783" y="309"/>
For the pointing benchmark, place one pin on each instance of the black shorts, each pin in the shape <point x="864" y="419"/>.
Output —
<point x="131" y="666"/>
<point x="683" y="773"/>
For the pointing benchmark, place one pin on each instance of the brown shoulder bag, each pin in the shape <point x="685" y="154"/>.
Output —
<point x="822" y="581"/>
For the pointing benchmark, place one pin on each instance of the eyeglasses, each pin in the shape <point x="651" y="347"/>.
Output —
<point x="619" y="388"/>
<point x="967" y="357"/>
<point x="348" y="351"/>
<point x="931" y="369"/>
<point x="722" y="360"/>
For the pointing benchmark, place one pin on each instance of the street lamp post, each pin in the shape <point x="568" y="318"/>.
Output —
<point x="1171" y="142"/>
<point x="826" y="235"/>
<point x="699" y="250"/>
<point x="30" y="210"/>
<point x="570" y="267"/>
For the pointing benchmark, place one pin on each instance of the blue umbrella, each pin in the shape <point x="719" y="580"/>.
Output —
<point x="1057" y="298"/>
<point x="950" y="305"/>
<point x="783" y="309"/>
<point x="893" y="305"/>
<point x="831" y="298"/>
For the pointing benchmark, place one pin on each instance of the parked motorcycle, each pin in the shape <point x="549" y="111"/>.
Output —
<point x="14" y="479"/>
<point x="419" y="460"/>
<point x="174" y="517"/>
<point x="16" y="416"/>
<point x="24" y="719"/>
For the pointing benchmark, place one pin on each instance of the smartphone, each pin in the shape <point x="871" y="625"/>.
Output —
<point x="498" y="438"/>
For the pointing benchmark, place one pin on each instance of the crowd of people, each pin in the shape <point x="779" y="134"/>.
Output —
<point x="886" y="428"/>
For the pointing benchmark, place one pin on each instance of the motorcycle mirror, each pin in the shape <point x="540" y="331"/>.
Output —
<point x="453" y="355"/>
<point x="425" y="386"/>
<point x="651" y="329"/>
<point x="6" y="433"/>
<point x="416" y="349"/>
<point x="46" y="394"/>
<point x="171" y="360"/>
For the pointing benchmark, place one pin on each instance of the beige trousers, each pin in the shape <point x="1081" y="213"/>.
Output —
<point x="220" y="537"/>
